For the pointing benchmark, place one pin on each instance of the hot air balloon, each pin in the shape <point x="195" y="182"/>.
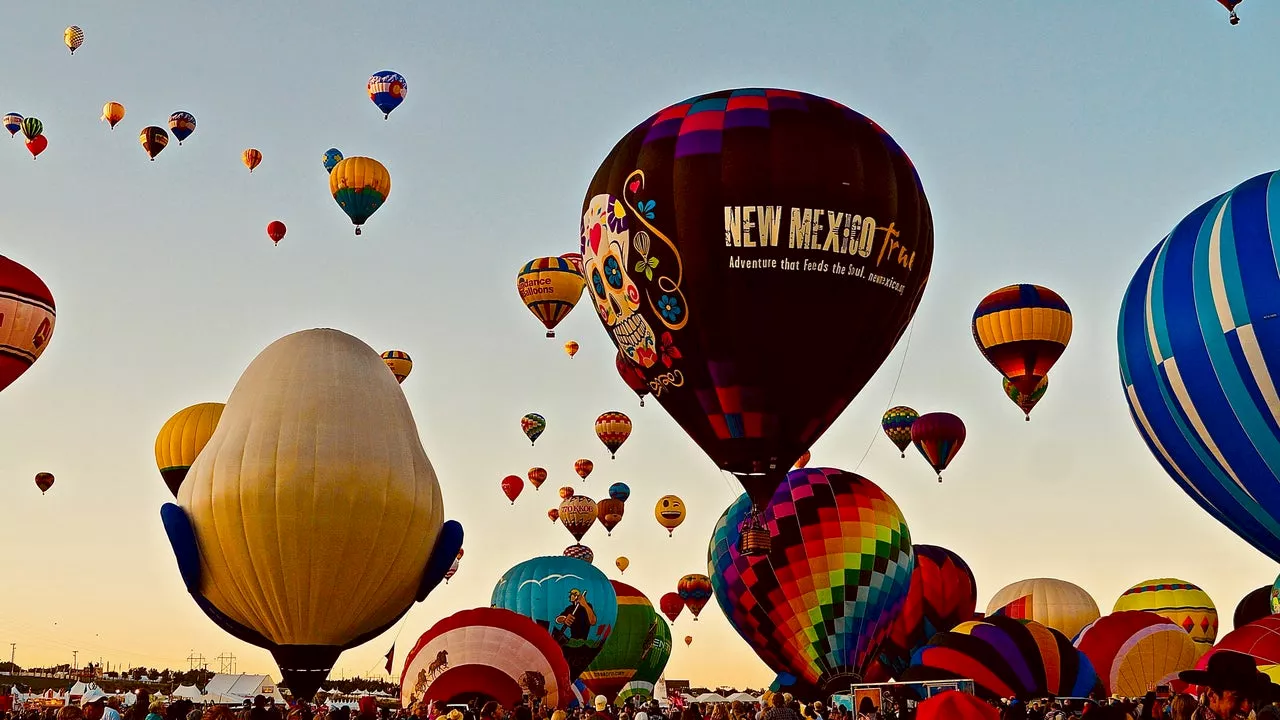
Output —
<point x="631" y="375"/>
<point x="182" y="124"/>
<point x="113" y="112"/>
<point x="1022" y="330"/>
<point x="1007" y="658"/>
<point x="670" y="512"/>
<point x="635" y="636"/>
<point x="619" y="491"/>
<point x="583" y="467"/>
<point x="315" y="464"/>
<point x="695" y="590"/>
<point x="399" y="362"/>
<point x="1254" y="606"/>
<point x="610" y="512"/>
<point x="1230" y="5"/>
<point x="511" y="487"/>
<point x="943" y="594"/>
<point x="275" y="230"/>
<point x="554" y="514"/>
<point x="44" y="481"/>
<point x="653" y="661"/>
<point x="571" y="348"/>
<point x="578" y="514"/>
<point x="1025" y="402"/>
<point x="623" y="563"/>
<point x="613" y="428"/>
<point x="570" y="598"/>
<point x="671" y="605"/>
<point x="938" y="436"/>
<point x="1189" y="607"/>
<point x="1133" y="652"/>
<point x="29" y="316"/>
<point x="332" y="157"/>
<point x="574" y="259"/>
<point x="387" y="90"/>
<point x="1259" y="639"/>
<point x="688" y="639"/>
<point x="581" y="552"/>
<point x="831" y="529"/>
<point x="181" y="439"/>
<point x="252" y="158"/>
<point x="533" y="426"/>
<point x="803" y="461"/>
<point x="488" y="652"/>
<point x="537" y="476"/>
<point x="566" y="492"/>
<point x="37" y="145"/>
<point x="32" y="128"/>
<point x="453" y="569"/>
<point x="1193" y="365"/>
<point x="12" y="123"/>
<point x="1054" y="603"/>
<point x="896" y="423"/>
<point x="360" y="186"/>
<point x="153" y="139"/>
<point x="717" y="199"/>
<point x="73" y="38"/>
<point x="549" y="287"/>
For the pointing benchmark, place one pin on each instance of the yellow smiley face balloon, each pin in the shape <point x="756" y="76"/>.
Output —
<point x="670" y="512"/>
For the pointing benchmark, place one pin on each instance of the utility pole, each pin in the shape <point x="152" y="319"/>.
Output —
<point x="13" y="649"/>
<point x="226" y="663"/>
<point x="75" y="660"/>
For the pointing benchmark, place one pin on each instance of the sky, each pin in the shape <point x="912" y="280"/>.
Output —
<point x="1057" y="143"/>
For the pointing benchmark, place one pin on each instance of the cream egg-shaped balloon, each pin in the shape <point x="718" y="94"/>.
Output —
<point x="316" y="517"/>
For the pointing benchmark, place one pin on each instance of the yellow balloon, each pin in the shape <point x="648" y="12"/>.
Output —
<point x="1058" y="604"/>
<point x="550" y="287"/>
<point x="1180" y="601"/>
<point x="571" y="348"/>
<point x="181" y="439"/>
<point x="73" y="37"/>
<point x="360" y="186"/>
<point x="399" y="362"/>
<point x="622" y="563"/>
<point x="113" y="112"/>
<point x="670" y="512"/>
<point x="315" y="469"/>
<point x="251" y="158"/>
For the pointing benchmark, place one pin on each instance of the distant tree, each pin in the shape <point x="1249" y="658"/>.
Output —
<point x="8" y="667"/>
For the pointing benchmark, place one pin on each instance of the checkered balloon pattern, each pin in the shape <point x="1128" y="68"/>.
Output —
<point x="819" y="604"/>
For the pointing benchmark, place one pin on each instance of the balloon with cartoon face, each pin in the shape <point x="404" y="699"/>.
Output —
<point x="723" y="234"/>
<point x="670" y="513"/>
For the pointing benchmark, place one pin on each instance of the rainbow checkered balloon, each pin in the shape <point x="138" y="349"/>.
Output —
<point x="819" y="604"/>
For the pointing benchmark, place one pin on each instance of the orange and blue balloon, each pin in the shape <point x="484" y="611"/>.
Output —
<point x="332" y="157"/>
<point x="1022" y="330"/>
<point x="182" y="124"/>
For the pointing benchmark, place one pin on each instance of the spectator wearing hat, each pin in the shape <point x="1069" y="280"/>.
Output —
<point x="1232" y="686"/>
<point x="602" y="709"/>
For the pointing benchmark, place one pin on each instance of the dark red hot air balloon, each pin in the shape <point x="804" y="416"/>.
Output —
<point x="37" y="145"/>
<point x="632" y="376"/>
<point x="938" y="436"/>
<point x="276" y="231"/>
<point x="44" y="481"/>
<point x="671" y="605"/>
<point x="27" y="317"/>
<point x="756" y="253"/>
<point x="511" y="487"/>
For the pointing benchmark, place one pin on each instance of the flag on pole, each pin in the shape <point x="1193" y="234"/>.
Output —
<point x="390" y="653"/>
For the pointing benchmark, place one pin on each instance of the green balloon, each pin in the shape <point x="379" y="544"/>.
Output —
<point x="636" y="652"/>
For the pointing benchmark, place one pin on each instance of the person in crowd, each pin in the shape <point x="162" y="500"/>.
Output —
<point x="155" y="711"/>
<point x="1183" y="707"/>
<point x="1233" y="686"/>
<point x="70" y="712"/>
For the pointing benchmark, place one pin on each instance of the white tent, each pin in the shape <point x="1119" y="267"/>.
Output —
<point x="226" y="689"/>
<point x="742" y="697"/>
<point x="189" y="692"/>
<point x="709" y="698"/>
<point x="130" y="698"/>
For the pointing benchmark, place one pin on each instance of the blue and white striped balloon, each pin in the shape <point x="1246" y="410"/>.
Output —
<point x="1199" y="341"/>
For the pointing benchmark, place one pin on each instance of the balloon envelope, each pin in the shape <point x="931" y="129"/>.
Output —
<point x="181" y="439"/>
<point x="569" y="598"/>
<point x="1197" y="346"/>
<point x="315" y="464"/>
<point x="1057" y="604"/>
<point x="1189" y="607"/>
<point x="635" y="636"/>
<point x="487" y="651"/>
<point x="710" y="235"/>
<point x="836" y="576"/>
<point x="1135" y="651"/>
<point x="29" y="315"/>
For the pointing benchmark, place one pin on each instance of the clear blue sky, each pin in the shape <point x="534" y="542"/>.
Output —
<point x="1057" y="142"/>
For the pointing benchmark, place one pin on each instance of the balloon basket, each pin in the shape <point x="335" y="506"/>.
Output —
<point x="755" y="539"/>
<point x="551" y="333"/>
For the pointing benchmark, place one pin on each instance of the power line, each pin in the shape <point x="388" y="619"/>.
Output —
<point x="906" y="349"/>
